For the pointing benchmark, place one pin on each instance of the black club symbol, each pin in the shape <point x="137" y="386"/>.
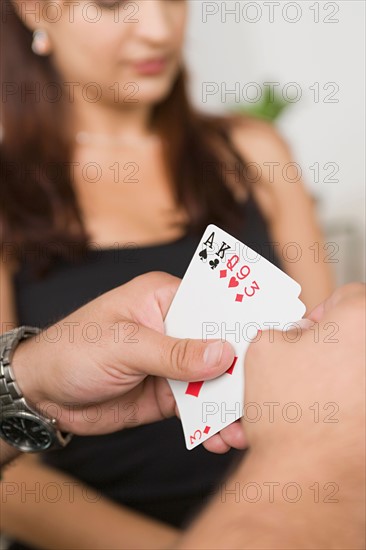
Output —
<point x="214" y="264"/>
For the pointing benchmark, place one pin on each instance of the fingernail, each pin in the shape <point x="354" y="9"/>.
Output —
<point x="213" y="353"/>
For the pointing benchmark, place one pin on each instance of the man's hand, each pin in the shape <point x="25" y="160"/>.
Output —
<point x="95" y="378"/>
<point x="302" y="483"/>
<point x="324" y="366"/>
<point x="301" y="368"/>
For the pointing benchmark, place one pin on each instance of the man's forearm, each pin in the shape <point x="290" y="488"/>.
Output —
<point x="272" y="504"/>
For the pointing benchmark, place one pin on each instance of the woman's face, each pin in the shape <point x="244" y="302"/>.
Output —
<point x="124" y="51"/>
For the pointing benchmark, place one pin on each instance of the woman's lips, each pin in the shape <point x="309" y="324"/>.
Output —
<point x="151" y="66"/>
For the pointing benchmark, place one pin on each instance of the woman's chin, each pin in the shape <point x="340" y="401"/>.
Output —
<point x="150" y="89"/>
<point x="150" y="95"/>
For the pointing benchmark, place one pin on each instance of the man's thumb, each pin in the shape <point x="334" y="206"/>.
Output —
<point x="181" y="359"/>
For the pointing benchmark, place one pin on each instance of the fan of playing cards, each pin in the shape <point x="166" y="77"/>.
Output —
<point x="229" y="292"/>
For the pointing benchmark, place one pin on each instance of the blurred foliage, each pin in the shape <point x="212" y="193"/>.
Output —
<point x="268" y="108"/>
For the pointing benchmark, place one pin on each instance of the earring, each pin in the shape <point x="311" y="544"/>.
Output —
<point x="41" y="43"/>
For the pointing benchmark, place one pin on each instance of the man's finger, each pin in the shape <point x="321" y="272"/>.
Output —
<point x="346" y="292"/>
<point x="188" y="360"/>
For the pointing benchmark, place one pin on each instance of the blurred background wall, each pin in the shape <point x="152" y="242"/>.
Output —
<point x="313" y="55"/>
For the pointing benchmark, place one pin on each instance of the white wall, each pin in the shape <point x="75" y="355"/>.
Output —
<point x="227" y="49"/>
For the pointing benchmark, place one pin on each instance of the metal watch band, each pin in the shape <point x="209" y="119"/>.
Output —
<point x="12" y="401"/>
<point x="10" y="393"/>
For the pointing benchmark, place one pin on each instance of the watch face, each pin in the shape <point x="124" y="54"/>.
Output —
<point x="26" y="432"/>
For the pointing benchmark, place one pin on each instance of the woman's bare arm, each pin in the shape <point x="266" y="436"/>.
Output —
<point x="288" y="209"/>
<point x="47" y="509"/>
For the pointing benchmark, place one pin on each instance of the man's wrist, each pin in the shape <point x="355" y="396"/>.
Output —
<point x="31" y="363"/>
<point x="274" y="500"/>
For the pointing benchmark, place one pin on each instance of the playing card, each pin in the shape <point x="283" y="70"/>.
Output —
<point x="229" y="292"/>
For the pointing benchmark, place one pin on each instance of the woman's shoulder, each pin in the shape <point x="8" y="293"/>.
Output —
<point x="256" y="139"/>
<point x="260" y="145"/>
<point x="268" y="160"/>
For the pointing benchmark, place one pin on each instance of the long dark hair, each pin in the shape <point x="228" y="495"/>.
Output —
<point x="39" y="208"/>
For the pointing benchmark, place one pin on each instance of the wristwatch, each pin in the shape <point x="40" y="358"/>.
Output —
<point x="21" y="425"/>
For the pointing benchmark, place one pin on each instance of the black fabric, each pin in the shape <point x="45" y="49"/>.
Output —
<point x="147" y="468"/>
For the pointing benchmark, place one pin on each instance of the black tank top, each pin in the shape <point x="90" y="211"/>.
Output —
<point x="146" y="468"/>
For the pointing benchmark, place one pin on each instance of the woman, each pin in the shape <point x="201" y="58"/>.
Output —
<point x="109" y="173"/>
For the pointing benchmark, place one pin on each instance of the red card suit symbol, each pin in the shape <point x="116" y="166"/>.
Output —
<point x="233" y="282"/>
<point x="194" y="388"/>
<point x="231" y="368"/>
<point x="239" y="297"/>
<point x="207" y="429"/>
<point x="223" y="273"/>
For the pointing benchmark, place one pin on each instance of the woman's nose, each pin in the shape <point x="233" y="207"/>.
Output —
<point x="154" y="23"/>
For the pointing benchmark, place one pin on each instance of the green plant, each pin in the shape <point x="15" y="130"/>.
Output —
<point x="269" y="107"/>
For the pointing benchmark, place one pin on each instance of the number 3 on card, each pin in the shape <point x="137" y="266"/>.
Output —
<point x="253" y="288"/>
<point x="198" y="435"/>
